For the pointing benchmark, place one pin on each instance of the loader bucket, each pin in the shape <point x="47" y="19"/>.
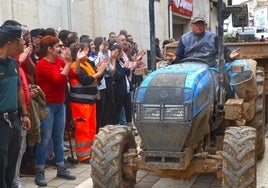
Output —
<point x="244" y="85"/>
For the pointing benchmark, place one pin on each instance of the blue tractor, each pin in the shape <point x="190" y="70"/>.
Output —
<point x="190" y="120"/>
<point x="185" y="130"/>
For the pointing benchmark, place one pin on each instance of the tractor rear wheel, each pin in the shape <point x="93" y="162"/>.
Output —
<point x="107" y="163"/>
<point x="239" y="158"/>
<point x="258" y="121"/>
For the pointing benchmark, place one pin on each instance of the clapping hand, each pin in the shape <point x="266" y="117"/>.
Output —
<point x="28" y="50"/>
<point x="140" y="64"/>
<point x="82" y="54"/>
<point x="34" y="90"/>
<point x="103" y="65"/>
<point x="128" y="64"/>
<point x="139" y="56"/>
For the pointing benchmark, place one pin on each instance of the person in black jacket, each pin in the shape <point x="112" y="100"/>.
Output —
<point x="122" y="91"/>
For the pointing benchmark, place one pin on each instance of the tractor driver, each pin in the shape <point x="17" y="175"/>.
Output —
<point x="200" y="43"/>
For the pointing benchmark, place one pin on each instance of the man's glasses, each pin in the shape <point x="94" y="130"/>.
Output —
<point x="199" y="24"/>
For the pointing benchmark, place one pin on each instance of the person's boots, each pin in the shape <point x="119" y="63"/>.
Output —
<point x="64" y="173"/>
<point x="40" y="177"/>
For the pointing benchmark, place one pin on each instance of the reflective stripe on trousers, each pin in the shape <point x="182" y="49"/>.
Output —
<point x="84" y="118"/>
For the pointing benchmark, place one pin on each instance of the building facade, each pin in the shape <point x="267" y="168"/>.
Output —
<point x="99" y="17"/>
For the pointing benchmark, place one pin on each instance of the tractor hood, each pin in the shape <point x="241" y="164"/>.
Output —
<point x="194" y="76"/>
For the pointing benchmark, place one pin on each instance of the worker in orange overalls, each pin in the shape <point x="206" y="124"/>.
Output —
<point x="83" y="95"/>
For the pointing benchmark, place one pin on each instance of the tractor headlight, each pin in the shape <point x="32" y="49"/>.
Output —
<point x="151" y="112"/>
<point x="163" y="112"/>
<point x="174" y="112"/>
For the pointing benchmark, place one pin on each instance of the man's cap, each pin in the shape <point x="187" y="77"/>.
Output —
<point x="198" y="19"/>
<point x="11" y="31"/>
<point x="36" y="33"/>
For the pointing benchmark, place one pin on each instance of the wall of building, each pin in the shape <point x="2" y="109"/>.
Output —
<point x="99" y="17"/>
<point x="95" y="17"/>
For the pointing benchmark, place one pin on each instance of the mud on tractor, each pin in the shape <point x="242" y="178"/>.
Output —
<point x="190" y="120"/>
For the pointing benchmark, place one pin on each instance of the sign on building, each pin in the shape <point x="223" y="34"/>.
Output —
<point x="184" y="7"/>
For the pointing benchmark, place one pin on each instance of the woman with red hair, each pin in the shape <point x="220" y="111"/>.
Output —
<point x="51" y="75"/>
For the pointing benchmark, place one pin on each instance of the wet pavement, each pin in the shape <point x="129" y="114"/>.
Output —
<point x="145" y="179"/>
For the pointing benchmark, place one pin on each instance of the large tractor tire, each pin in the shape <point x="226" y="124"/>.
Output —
<point x="258" y="121"/>
<point x="110" y="144"/>
<point x="239" y="157"/>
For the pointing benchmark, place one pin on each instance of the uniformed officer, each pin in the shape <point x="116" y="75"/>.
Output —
<point x="11" y="100"/>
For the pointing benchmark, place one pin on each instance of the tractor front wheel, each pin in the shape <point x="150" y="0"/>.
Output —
<point x="110" y="144"/>
<point x="239" y="157"/>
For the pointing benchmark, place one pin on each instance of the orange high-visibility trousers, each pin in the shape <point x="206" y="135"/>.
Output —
<point x="84" y="119"/>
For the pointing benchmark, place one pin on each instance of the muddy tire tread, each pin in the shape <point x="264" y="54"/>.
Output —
<point x="106" y="160"/>
<point x="239" y="163"/>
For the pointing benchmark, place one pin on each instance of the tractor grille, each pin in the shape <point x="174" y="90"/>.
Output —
<point x="166" y="104"/>
<point x="163" y="116"/>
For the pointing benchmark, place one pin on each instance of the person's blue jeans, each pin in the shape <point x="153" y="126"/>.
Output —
<point x="123" y="120"/>
<point x="52" y="126"/>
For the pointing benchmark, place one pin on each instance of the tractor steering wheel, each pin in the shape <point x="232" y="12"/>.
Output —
<point x="191" y="59"/>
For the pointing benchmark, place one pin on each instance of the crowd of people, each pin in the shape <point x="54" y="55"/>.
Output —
<point x="50" y="79"/>
<point x="60" y="78"/>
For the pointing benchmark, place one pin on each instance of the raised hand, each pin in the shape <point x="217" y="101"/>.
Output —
<point x="103" y="65"/>
<point x="82" y="54"/>
<point x="139" y="56"/>
<point x="140" y="64"/>
<point x="235" y="53"/>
